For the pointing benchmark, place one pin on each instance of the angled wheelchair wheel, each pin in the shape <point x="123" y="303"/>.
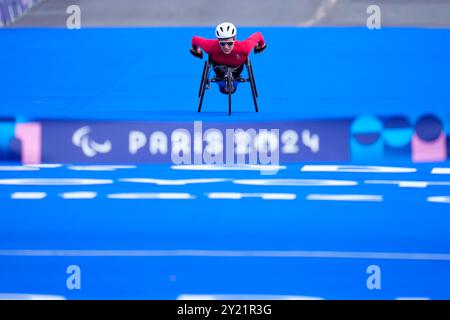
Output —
<point x="252" y="76"/>
<point x="203" y="82"/>
<point x="230" y="87"/>
<point x="252" y="84"/>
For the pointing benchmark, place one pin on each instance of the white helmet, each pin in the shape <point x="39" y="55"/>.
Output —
<point x="226" y="30"/>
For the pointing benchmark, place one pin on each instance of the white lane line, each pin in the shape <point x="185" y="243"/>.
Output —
<point x="439" y="199"/>
<point x="26" y="296"/>
<point x="256" y="182"/>
<point x="99" y="168"/>
<point x="413" y="184"/>
<point x="45" y="166"/>
<point x="295" y="182"/>
<point x="28" y="195"/>
<point x="344" y="197"/>
<point x="322" y="11"/>
<point x="440" y="171"/>
<point x="175" y="182"/>
<point x="230" y="254"/>
<point x="366" y="169"/>
<point x="18" y="168"/>
<point x="249" y="167"/>
<point x="225" y="195"/>
<point x="151" y="196"/>
<point x="409" y="184"/>
<point x="278" y="196"/>
<point x="264" y="196"/>
<point x="187" y="296"/>
<point x="54" y="182"/>
<point x="78" y="195"/>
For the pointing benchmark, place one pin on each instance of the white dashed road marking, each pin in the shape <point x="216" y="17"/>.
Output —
<point x="264" y="196"/>
<point x="45" y="166"/>
<point x="79" y="195"/>
<point x="440" y="171"/>
<point x="367" y="169"/>
<point x="54" y="182"/>
<point x="151" y="196"/>
<point x="28" y="195"/>
<point x="175" y="182"/>
<point x="409" y="184"/>
<point x="18" y="168"/>
<point x="206" y="167"/>
<point x="344" y="197"/>
<point x="439" y="199"/>
<point x="295" y="182"/>
<point x="99" y="168"/>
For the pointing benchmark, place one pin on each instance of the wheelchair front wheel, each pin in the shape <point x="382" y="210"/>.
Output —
<point x="252" y="84"/>
<point x="230" y="89"/>
<point x="201" y="92"/>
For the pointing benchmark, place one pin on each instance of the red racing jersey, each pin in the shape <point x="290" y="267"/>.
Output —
<point x="239" y="54"/>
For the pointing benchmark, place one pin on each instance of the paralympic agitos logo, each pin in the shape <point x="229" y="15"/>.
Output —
<point x="90" y="147"/>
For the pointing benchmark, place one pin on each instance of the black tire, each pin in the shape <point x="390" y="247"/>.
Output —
<point x="204" y="75"/>
<point x="252" y="85"/>
<point x="252" y="77"/>
<point x="201" y="101"/>
<point x="230" y="87"/>
<point x="201" y="92"/>
<point x="255" y="101"/>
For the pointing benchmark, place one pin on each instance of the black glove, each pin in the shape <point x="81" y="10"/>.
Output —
<point x="260" y="49"/>
<point x="196" y="53"/>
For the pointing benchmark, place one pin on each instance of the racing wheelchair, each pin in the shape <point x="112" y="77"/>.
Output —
<point x="228" y="75"/>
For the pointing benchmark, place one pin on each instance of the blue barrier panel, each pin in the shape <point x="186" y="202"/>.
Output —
<point x="194" y="142"/>
<point x="361" y="139"/>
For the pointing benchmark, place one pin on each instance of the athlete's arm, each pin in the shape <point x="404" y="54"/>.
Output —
<point x="205" y="44"/>
<point x="256" y="41"/>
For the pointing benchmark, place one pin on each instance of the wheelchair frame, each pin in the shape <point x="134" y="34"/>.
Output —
<point x="228" y="78"/>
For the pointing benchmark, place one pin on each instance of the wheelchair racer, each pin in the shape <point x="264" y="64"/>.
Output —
<point x="227" y="51"/>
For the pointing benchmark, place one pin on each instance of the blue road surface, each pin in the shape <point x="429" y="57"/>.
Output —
<point x="148" y="73"/>
<point x="164" y="232"/>
<point x="199" y="238"/>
